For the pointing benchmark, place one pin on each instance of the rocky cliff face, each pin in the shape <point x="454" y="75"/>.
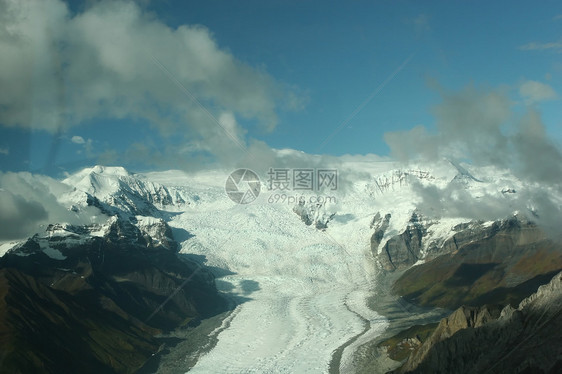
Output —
<point x="400" y="251"/>
<point x="485" y="340"/>
<point x="480" y="268"/>
<point x="313" y="214"/>
<point x="519" y="230"/>
<point x="90" y="299"/>
<point x="501" y="262"/>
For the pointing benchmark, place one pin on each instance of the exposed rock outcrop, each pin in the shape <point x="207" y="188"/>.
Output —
<point x="520" y="231"/>
<point x="397" y="179"/>
<point x="380" y="225"/>
<point x="485" y="340"/>
<point x="313" y="214"/>
<point x="400" y="251"/>
<point x="501" y="263"/>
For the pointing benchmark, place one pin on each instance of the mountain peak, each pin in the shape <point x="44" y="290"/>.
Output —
<point x="116" y="191"/>
<point x="113" y="170"/>
<point x="117" y="171"/>
<point x="462" y="172"/>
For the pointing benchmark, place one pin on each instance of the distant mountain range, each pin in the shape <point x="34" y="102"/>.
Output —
<point x="93" y="297"/>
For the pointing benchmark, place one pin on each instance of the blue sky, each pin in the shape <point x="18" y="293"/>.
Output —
<point x="321" y="77"/>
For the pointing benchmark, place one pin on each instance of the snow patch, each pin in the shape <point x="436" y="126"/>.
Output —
<point x="53" y="253"/>
<point x="5" y="247"/>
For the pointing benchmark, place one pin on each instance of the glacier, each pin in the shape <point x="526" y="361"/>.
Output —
<point x="301" y="292"/>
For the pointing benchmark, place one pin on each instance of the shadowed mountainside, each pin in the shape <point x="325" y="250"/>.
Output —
<point x="478" y="271"/>
<point x="499" y="264"/>
<point x="490" y="340"/>
<point x="73" y="302"/>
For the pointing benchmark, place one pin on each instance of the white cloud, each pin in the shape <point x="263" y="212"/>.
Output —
<point x="538" y="46"/>
<point x="421" y="24"/>
<point x="28" y="201"/>
<point x="76" y="139"/>
<point x="481" y="126"/>
<point x="114" y="61"/>
<point x="533" y="92"/>
<point x="19" y="217"/>
<point x="468" y="126"/>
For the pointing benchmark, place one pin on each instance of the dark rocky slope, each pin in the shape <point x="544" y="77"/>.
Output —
<point x="479" y="270"/>
<point x="485" y="340"/>
<point x="401" y="251"/>
<point x="498" y="264"/>
<point x="71" y="301"/>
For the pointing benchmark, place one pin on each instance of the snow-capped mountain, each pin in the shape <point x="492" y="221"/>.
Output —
<point x="116" y="191"/>
<point x="300" y="270"/>
<point x="92" y="298"/>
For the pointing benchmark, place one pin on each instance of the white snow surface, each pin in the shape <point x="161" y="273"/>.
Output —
<point x="298" y="283"/>
<point x="53" y="253"/>
<point x="5" y="247"/>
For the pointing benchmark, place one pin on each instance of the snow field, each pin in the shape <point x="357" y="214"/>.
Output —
<point x="295" y="314"/>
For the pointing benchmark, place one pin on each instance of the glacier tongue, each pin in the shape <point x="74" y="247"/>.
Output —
<point x="293" y="283"/>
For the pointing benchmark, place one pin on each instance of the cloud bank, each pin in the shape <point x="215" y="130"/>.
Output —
<point x="534" y="92"/>
<point x="29" y="201"/>
<point x="539" y="46"/>
<point x="482" y="127"/>
<point x="59" y="69"/>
